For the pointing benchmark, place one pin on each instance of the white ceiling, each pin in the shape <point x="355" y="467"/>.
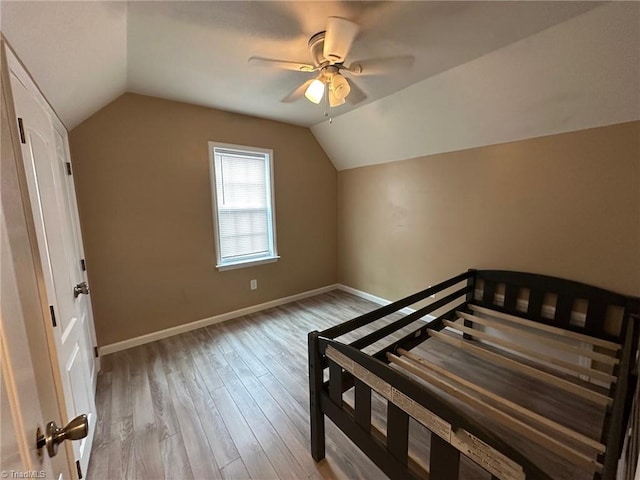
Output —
<point x="85" y="54"/>
<point x="581" y="74"/>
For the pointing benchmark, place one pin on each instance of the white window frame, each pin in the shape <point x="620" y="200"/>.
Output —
<point x="247" y="261"/>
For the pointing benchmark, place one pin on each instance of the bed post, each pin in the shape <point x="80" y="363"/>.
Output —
<point x="614" y="417"/>
<point x="315" y="390"/>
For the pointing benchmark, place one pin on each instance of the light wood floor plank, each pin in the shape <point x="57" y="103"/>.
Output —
<point x="99" y="461"/>
<point x="174" y="458"/>
<point x="235" y="471"/>
<point x="251" y="452"/>
<point x="121" y="456"/>
<point x="164" y="414"/>
<point x="201" y="459"/>
<point x="202" y="362"/>
<point x="103" y="405"/>
<point x="215" y="430"/>
<point x="121" y="406"/>
<point x="148" y="460"/>
<point x="143" y="418"/>
<point x="295" y="440"/>
<point x="283" y="461"/>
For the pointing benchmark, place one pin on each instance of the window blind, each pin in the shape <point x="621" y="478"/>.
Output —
<point x="243" y="199"/>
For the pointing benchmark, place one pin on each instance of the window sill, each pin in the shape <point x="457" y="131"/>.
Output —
<point x="247" y="263"/>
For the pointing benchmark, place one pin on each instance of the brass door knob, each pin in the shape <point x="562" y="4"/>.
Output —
<point x="74" y="430"/>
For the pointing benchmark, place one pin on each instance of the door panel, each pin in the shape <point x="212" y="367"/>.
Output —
<point x="76" y="374"/>
<point x="52" y="202"/>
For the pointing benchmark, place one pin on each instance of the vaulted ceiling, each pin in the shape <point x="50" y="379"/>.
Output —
<point x="85" y="54"/>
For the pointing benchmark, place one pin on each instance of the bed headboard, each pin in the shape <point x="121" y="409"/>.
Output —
<point x="554" y="301"/>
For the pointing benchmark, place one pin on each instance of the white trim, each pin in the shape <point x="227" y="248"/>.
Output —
<point x="247" y="263"/>
<point x="372" y="298"/>
<point x="380" y="301"/>
<point x="187" y="327"/>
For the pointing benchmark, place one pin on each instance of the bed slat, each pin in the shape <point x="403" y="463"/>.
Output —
<point x="516" y="425"/>
<point x="539" y="337"/>
<point x="573" y="368"/>
<point x="578" y="390"/>
<point x="547" y="328"/>
<point x="509" y="405"/>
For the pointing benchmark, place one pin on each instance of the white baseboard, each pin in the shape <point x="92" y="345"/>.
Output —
<point x="187" y="327"/>
<point x="381" y="301"/>
<point x="371" y="298"/>
<point x="223" y="317"/>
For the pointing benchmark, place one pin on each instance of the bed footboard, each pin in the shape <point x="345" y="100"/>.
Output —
<point x="452" y="433"/>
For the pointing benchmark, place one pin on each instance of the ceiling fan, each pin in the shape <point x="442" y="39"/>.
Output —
<point x="329" y="50"/>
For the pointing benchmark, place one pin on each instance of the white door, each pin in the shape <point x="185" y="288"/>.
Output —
<point x="47" y="165"/>
<point x="20" y="412"/>
<point x="28" y="395"/>
<point x="77" y="262"/>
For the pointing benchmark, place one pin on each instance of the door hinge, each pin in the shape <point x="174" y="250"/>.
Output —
<point x="83" y="265"/>
<point x="68" y="168"/>
<point x="53" y="316"/>
<point x="95" y="351"/>
<point x="21" y="128"/>
<point x="79" y="469"/>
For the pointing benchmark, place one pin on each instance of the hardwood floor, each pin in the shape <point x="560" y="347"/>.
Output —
<point x="230" y="401"/>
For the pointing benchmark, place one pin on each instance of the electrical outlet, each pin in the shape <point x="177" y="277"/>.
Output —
<point x="253" y="284"/>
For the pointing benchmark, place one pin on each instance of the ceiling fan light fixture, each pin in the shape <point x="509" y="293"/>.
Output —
<point x="335" y="101"/>
<point x="340" y="86"/>
<point x="315" y="91"/>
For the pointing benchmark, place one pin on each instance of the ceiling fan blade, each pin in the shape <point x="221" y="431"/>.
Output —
<point x="355" y="94"/>
<point x="271" y="62"/>
<point x="338" y="39"/>
<point x="298" y="92"/>
<point x="380" y="66"/>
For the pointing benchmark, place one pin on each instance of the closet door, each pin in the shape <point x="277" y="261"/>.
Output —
<point x="70" y="330"/>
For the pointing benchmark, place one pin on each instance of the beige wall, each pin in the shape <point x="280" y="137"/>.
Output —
<point x="565" y="205"/>
<point x="142" y="179"/>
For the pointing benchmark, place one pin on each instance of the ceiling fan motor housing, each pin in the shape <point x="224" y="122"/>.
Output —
<point x="316" y="47"/>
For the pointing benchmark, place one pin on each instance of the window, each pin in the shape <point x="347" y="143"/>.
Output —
<point x="244" y="218"/>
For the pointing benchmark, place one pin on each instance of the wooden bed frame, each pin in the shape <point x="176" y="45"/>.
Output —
<point x="498" y="316"/>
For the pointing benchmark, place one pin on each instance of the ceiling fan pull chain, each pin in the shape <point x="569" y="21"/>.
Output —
<point x="327" y="106"/>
